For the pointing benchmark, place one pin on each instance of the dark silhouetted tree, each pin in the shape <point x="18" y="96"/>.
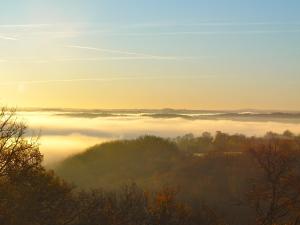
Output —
<point x="275" y="194"/>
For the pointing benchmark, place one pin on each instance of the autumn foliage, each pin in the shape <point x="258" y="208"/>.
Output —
<point x="220" y="180"/>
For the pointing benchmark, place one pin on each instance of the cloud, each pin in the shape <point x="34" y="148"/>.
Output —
<point x="3" y="37"/>
<point x="207" y="23"/>
<point x="62" y="81"/>
<point x="24" y="25"/>
<point x="69" y="30"/>
<point x="169" y="29"/>
<point x="137" y="55"/>
<point x="123" y="58"/>
<point x="58" y="30"/>
<point x="21" y="60"/>
<point x="109" y="50"/>
<point x="114" y="58"/>
<point x="176" y="33"/>
<point x="16" y="28"/>
<point x="109" y="79"/>
<point x="58" y="131"/>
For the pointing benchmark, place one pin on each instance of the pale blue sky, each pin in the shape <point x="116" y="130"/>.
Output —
<point x="205" y="54"/>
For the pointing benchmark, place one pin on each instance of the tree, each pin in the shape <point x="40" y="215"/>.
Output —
<point x="275" y="195"/>
<point x="28" y="193"/>
<point x="166" y="210"/>
<point x="18" y="154"/>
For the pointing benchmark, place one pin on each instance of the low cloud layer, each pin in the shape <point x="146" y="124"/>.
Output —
<point x="62" y="136"/>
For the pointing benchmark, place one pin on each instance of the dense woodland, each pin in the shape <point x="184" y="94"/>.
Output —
<point x="208" y="180"/>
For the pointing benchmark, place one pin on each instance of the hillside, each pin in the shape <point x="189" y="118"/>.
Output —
<point x="143" y="160"/>
<point x="205" y="170"/>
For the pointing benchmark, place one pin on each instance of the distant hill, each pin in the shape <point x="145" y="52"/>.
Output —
<point x="143" y="160"/>
<point x="154" y="162"/>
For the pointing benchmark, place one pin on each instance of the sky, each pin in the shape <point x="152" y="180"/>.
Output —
<point x="193" y="54"/>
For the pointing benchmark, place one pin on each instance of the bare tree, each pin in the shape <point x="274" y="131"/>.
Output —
<point x="17" y="153"/>
<point x="275" y="195"/>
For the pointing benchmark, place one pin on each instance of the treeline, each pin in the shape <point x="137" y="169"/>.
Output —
<point x="224" y="179"/>
<point x="151" y="181"/>
<point x="222" y="142"/>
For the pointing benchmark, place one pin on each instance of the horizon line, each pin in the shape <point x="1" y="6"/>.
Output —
<point x="32" y="108"/>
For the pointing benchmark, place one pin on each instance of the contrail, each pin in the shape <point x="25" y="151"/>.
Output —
<point x="176" y="33"/>
<point x="87" y="59"/>
<point x="63" y="80"/>
<point x="99" y="80"/>
<point x="23" y="25"/>
<point x="117" y="51"/>
<point x="145" y="25"/>
<point x="122" y="58"/>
